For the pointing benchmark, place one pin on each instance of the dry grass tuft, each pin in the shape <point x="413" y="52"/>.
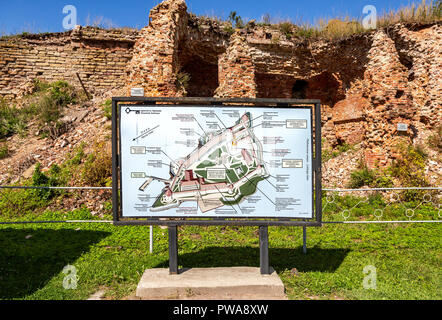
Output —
<point x="342" y="27"/>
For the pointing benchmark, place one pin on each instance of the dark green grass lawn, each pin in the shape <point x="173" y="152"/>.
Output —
<point x="407" y="258"/>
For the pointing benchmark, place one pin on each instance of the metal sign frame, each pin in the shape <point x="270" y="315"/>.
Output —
<point x="314" y="105"/>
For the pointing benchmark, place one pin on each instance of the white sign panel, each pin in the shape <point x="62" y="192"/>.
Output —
<point x="200" y="161"/>
<point x="403" y="127"/>
<point x="137" y="92"/>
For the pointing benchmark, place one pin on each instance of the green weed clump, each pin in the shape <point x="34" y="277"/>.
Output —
<point x="107" y="109"/>
<point x="236" y="20"/>
<point x="97" y="170"/>
<point x="330" y="153"/>
<point x="4" y="151"/>
<point x="39" y="179"/>
<point x="287" y="29"/>
<point x="409" y="169"/>
<point x="12" y="119"/>
<point x="362" y="177"/>
<point x="50" y="105"/>
<point x="373" y="178"/>
<point x="20" y="202"/>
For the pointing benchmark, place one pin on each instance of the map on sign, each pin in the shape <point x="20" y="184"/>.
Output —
<point x="197" y="161"/>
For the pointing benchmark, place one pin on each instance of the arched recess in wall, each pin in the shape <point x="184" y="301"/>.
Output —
<point x="299" y="89"/>
<point x="327" y="87"/>
<point x="202" y="76"/>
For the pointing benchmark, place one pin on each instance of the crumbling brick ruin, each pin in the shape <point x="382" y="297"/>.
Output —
<point x="368" y="83"/>
<point x="100" y="57"/>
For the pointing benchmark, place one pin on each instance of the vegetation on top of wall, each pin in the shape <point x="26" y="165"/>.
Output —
<point x="100" y="22"/>
<point x="337" y="28"/>
<point x="236" y="20"/>
<point x="340" y="27"/>
<point x="23" y="34"/>
<point x="229" y="29"/>
<point x="287" y="29"/>
<point x="423" y="12"/>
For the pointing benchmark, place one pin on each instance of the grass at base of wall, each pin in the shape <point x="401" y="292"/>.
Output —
<point x="407" y="258"/>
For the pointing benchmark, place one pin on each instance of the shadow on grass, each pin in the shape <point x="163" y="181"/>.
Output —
<point x="281" y="259"/>
<point x="29" y="264"/>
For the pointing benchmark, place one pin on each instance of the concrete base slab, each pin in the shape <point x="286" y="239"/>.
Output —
<point x="212" y="283"/>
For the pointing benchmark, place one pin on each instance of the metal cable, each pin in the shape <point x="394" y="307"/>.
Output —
<point x="57" y="188"/>
<point x="55" y="222"/>
<point x="325" y="189"/>
<point x="379" y="189"/>
<point x="380" y="222"/>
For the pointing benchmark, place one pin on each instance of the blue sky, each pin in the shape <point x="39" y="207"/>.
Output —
<point x="46" y="15"/>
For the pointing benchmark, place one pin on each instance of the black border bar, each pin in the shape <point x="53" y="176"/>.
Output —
<point x="317" y="162"/>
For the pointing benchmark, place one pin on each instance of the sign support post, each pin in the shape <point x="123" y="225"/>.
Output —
<point x="173" y="250"/>
<point x="304" y="240"/>
<point x="264" y="250"/>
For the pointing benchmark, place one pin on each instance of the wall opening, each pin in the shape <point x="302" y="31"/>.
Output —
<point x="399" y="94"/>
<point x="202" y="77"/>
<point x="299" y="89"/>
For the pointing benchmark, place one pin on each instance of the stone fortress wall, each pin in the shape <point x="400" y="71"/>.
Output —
<point x="99" y="56"/>
<point x="368" y="83"/>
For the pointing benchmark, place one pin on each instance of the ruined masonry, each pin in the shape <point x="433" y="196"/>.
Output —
<point x="367" y="83"/>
